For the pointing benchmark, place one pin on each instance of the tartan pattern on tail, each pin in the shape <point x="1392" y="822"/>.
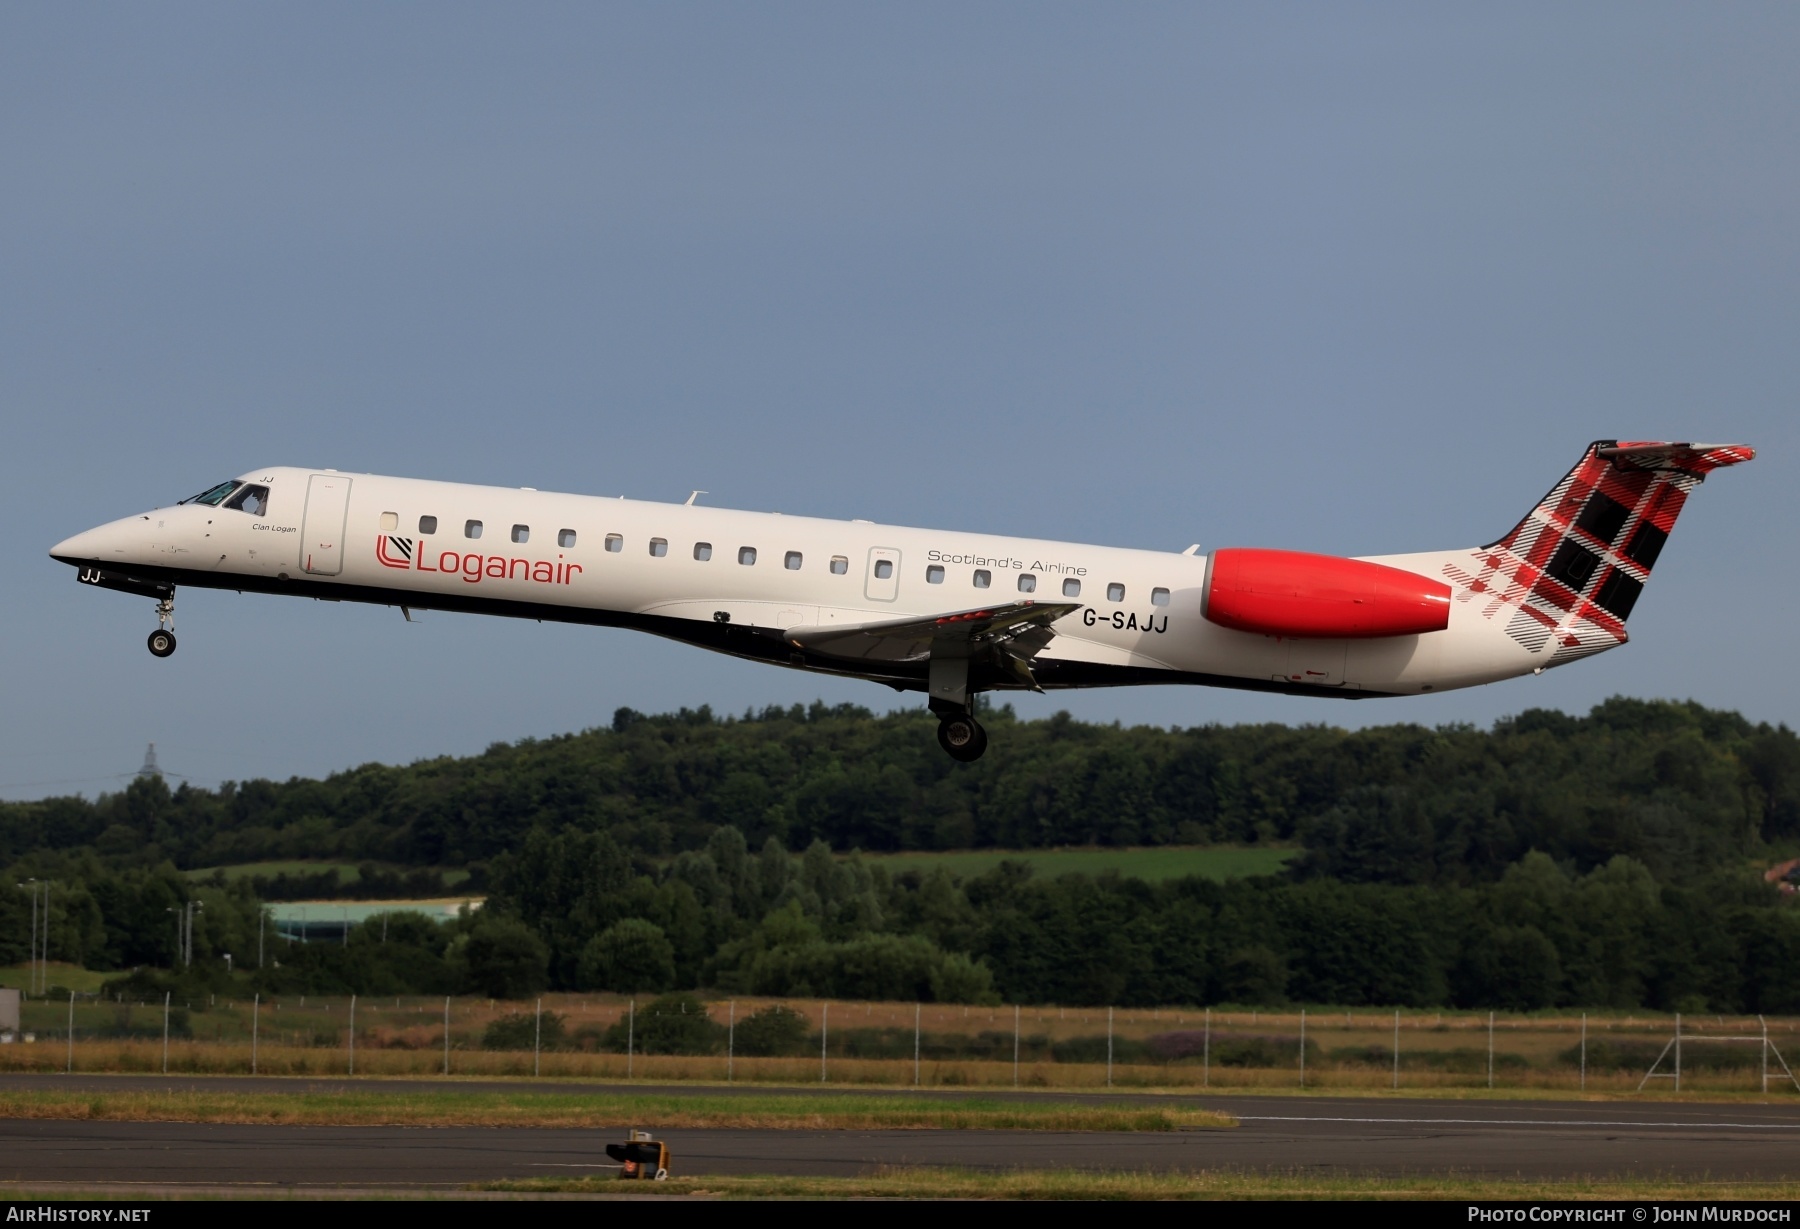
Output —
<point x="1570" y="572"/>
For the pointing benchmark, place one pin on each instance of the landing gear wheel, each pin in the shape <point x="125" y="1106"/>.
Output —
<point x="162" y="643"/>
<point x="962" y="738"/>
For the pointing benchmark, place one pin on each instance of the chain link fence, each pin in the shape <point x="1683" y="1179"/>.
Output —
<point x="683" y="1037"/>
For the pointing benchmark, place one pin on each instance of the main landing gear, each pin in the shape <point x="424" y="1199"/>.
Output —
<point x="962" y="737"/>
<point x="162" y="640"/>
<point x="947" y="692"/>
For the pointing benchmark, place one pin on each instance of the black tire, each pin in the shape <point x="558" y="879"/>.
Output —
<point x="161" y="643"/>
<point x="962" y="738"/>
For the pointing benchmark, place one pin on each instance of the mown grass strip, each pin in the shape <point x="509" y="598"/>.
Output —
<point x="927" y="1183"/>
<point x="668" y="1112"/>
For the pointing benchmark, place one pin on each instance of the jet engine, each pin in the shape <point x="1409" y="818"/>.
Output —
<point x="1293" y="594"/>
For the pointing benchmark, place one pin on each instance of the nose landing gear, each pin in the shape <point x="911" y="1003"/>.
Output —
<point x="162" y="640"/>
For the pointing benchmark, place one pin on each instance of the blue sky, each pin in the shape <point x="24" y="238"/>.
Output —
<point x="1340" y="278"/>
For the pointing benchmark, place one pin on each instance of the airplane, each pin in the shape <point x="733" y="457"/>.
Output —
<point x="951" y="614"/>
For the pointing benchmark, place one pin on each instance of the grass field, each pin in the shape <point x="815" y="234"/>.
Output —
<point x="925" y="1183"/>
<point x="1216" y="862"/>
<point x="69" y="976"/>
<point x="489" y="1108"/>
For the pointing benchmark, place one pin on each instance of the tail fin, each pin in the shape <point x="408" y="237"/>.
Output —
<point x="1573" y="568"/>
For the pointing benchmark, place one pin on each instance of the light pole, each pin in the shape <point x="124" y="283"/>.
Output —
<point x="188" y="955"/>
<point x="30" y="885"/>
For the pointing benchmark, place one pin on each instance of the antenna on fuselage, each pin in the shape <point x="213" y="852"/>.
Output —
<point x="689" y="502"/>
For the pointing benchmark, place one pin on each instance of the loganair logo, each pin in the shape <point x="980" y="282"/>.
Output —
<point x="393" y="551"/>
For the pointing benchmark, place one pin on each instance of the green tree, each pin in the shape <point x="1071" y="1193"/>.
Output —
<point x="631" y="957"/>
<point x="503" y="959"/>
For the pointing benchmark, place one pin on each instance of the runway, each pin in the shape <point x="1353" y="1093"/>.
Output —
<point x="1316" y="1135"/>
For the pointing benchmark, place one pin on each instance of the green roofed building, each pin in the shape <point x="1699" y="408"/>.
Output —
<point x="319" y="921"/>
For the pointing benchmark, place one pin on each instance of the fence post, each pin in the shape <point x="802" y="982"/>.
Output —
<point x="1303" y="1047"/>
<point x="446" y="1034"/>
<point x="1109" y="1032"/>
<point x="916" y="1049"/>
<point x="255" y="1021"/>
<point x="631" y="1039"/>
<point x="1765" y="1052"/>
<point x="353" y="1034"/>
<point x="1584" y="1051"/>
<point x="1396" y="1049"/>
<point x="731" y="1041"/>
<point x="165" y="1032"/>
<point x="537" y="1042"/>
<point x="1015" y="1045"/>
<point x="1206" y="1052"/>
<point x="1677" y="1051"/>
<point x="1490" y="1049"/>
<point x="824" y="1036"/>
<point x="71" y="1064"/>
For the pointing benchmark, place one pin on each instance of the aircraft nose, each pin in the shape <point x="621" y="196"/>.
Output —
<point x="81" y="548"/>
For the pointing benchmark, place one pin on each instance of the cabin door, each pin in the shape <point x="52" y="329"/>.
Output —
<point x="883" y="581"/>
<point x="322" y="533"/>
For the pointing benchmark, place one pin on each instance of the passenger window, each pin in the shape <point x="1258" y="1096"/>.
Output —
<point x="884" y="569"/>
<point x="471" y="529"/>
<point x="255" y="501"/>
<point x="703" y="551"/>
<point x="934" y="575"/>
<point x="791" y="561"/>
<point x="983" y="578"/>
<point x="1027" y="583"/>
<point x="1159" y="597"/>
<point x="521" y="533"/>
<point x="1071" y="588"/>
<point x="390" y="521"/>
<point x="615" y="543"/>
<point x="747" y="555"/>
<point x="565" y="537"/>
<point x="839" y="565"/>
<point x="1115" y="593"/>
<point x="659" y="547"/>
<point x="428" y="524"/>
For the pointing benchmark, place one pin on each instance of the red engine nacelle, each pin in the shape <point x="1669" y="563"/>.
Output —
<point x="1289" y="593"/>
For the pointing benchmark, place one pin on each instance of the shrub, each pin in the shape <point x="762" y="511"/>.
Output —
<point x="1227" y="1050"/>
<point x="518" y="1030"/>
<point x="673" y="1024"/>
<point x="773" y="1032"/>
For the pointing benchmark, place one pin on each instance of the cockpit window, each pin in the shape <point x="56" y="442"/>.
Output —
<point x="250" y="498"/>
<point x="212" y="495"/>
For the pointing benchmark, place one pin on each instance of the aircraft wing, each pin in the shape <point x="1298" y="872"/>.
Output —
<point x="1012" y="633"/>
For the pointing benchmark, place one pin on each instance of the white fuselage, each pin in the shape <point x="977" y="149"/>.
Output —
<point x="735" y="581"/>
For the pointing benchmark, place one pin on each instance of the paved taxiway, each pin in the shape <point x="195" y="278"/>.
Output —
<point x="1534" y="1139"/>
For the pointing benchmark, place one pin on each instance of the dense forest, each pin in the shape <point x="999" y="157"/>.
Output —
<point x="1603" y="860"/>
<point x="1678" y="787"/>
